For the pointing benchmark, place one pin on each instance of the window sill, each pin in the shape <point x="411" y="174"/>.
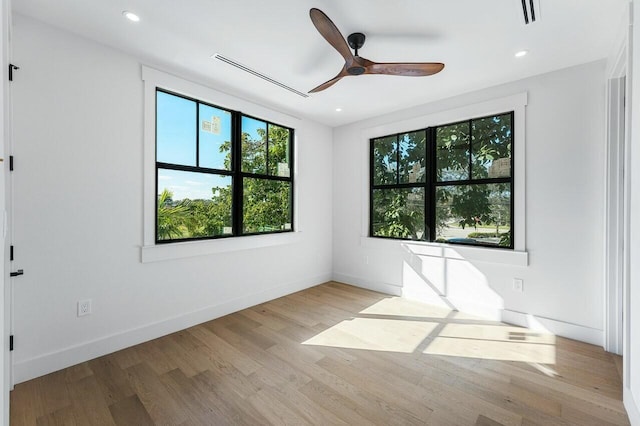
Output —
<point x="449" y="251"/>
<point x="160" y="252"/>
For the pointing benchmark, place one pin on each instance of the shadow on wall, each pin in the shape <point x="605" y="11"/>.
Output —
<point x="442" y="277"/>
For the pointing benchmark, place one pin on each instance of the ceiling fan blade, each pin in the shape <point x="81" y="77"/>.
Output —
<point x="411" y="69"/>
<point x="330" y="32"/>
<point x="329" y="83"/>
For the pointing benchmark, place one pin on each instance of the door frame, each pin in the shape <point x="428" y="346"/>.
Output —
<point x="5" y="131"/>
<point x="617" y="207"/>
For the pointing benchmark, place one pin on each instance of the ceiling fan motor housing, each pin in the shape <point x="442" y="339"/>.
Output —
<point x="356" y="40"/>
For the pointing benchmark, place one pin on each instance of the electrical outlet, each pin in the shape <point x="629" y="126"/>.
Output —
<point x="518" y="285"/>
<point x="84" y="307"/>
<point x="366" y="260"/>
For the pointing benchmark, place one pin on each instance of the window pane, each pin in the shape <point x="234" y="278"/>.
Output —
<point x="399" y="213"/>
<point x="453" y="152"/>
<point x="492" y="147"/>
<point x="254" y="146"/>
<point x="474" y="214"/>
<point x="175" y="129"/>
<point x="279" y="151"/>
<point x="267" y="205"/>
<point x="385" y="160"/>
<point x="192" y="205"/>
<point x="215" y="138"/>
<point x="412" y="157"/>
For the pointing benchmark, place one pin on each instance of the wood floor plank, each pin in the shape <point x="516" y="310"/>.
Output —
<point x="403" y="404"/>
<point x="201" y="405"/>
<point x="159" y="402"/>
<point x="218" y="348"/>
<point x="275" y="411"/>
<point x="264" y="317"/>
<point x="336" y="354"/>
<point x="53" y="391"/>
<point x="344" y="408"/>
<point x="25" y="405"/>
<point x="89" y="406"/>
<point x="237" y="409"/>
<point x="62" y="417"/>
<point x="77" y="372"/>
<point x="111" y="378"/>
<point x="244" y="344"/>
<point x="130" y="411"/>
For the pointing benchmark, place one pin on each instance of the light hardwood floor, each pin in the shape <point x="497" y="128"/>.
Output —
<point x="335" y="354"/>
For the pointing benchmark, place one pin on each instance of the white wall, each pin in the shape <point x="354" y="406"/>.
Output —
<point x="78" y="126"/>
<point x="632" y="391"/>
<point x="563" y="281"/>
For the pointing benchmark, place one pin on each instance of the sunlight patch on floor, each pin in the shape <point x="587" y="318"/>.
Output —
<point x="396" y="324"/>
<point x="375" y="335"/>
<point x="482" y="346"/>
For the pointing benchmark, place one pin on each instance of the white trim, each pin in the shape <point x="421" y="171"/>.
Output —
<point x="5" y="206"/>
<point x="626" y="308"/>
<point x="590" y="335"/>
<point x="516" y="103"/>
<point x="152" y="252"/>
<point x="630" y="405"/>
<point x="159" y="252"/>
<point x="614" y="214"/>
<point x="449" y="251"/>
<point x="378" y="286"/>
<point x="54" y="361"/>
<point x="616" y="192"/>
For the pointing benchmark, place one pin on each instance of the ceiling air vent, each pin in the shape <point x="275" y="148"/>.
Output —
<point x="257" y="74"/>
<point x="531" y="11"/>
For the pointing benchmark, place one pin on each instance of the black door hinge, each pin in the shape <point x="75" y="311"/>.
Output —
<point x="10" y="252"/>
<point x="11" y="163"/>
<point x="11" y="69"/>
<point x="11" y="342"/>
<point x="17" y="273"/>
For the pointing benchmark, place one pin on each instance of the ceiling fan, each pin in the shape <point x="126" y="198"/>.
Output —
<point x="356" y="65"/>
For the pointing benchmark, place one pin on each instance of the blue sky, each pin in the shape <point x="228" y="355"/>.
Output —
<point x="176" y="144"/>
<point x="176" y="132"/>
<point x="195" y="186"/>
<point x="251" y="126"/>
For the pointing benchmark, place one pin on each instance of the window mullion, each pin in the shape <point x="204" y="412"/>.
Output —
<point x="512" y="182"/>
<point x="197" y="134"/>
<point x="237" y="183"/>
<point x="266" y="154"/>
<point x="371" y="177"/>
<point x="431" y="177"/>
<point x="470" y="149"/>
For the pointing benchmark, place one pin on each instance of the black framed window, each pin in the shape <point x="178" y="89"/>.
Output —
<point x="450" y="183"/>
<point x="219" y="173"/>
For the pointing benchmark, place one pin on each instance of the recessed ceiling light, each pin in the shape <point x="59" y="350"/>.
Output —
<point x="521" y="53"/>
<point x="338" y="109"/>
<point x="130" y="16"/>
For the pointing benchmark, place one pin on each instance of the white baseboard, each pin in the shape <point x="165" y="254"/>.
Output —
<point x="54" y="361"/>
<point x="559" y="328"/>
<point x="632" y="409"/>
<point x="381" y="287"/>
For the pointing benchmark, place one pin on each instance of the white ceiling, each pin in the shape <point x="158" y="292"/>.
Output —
<point x="475" y="39"/>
